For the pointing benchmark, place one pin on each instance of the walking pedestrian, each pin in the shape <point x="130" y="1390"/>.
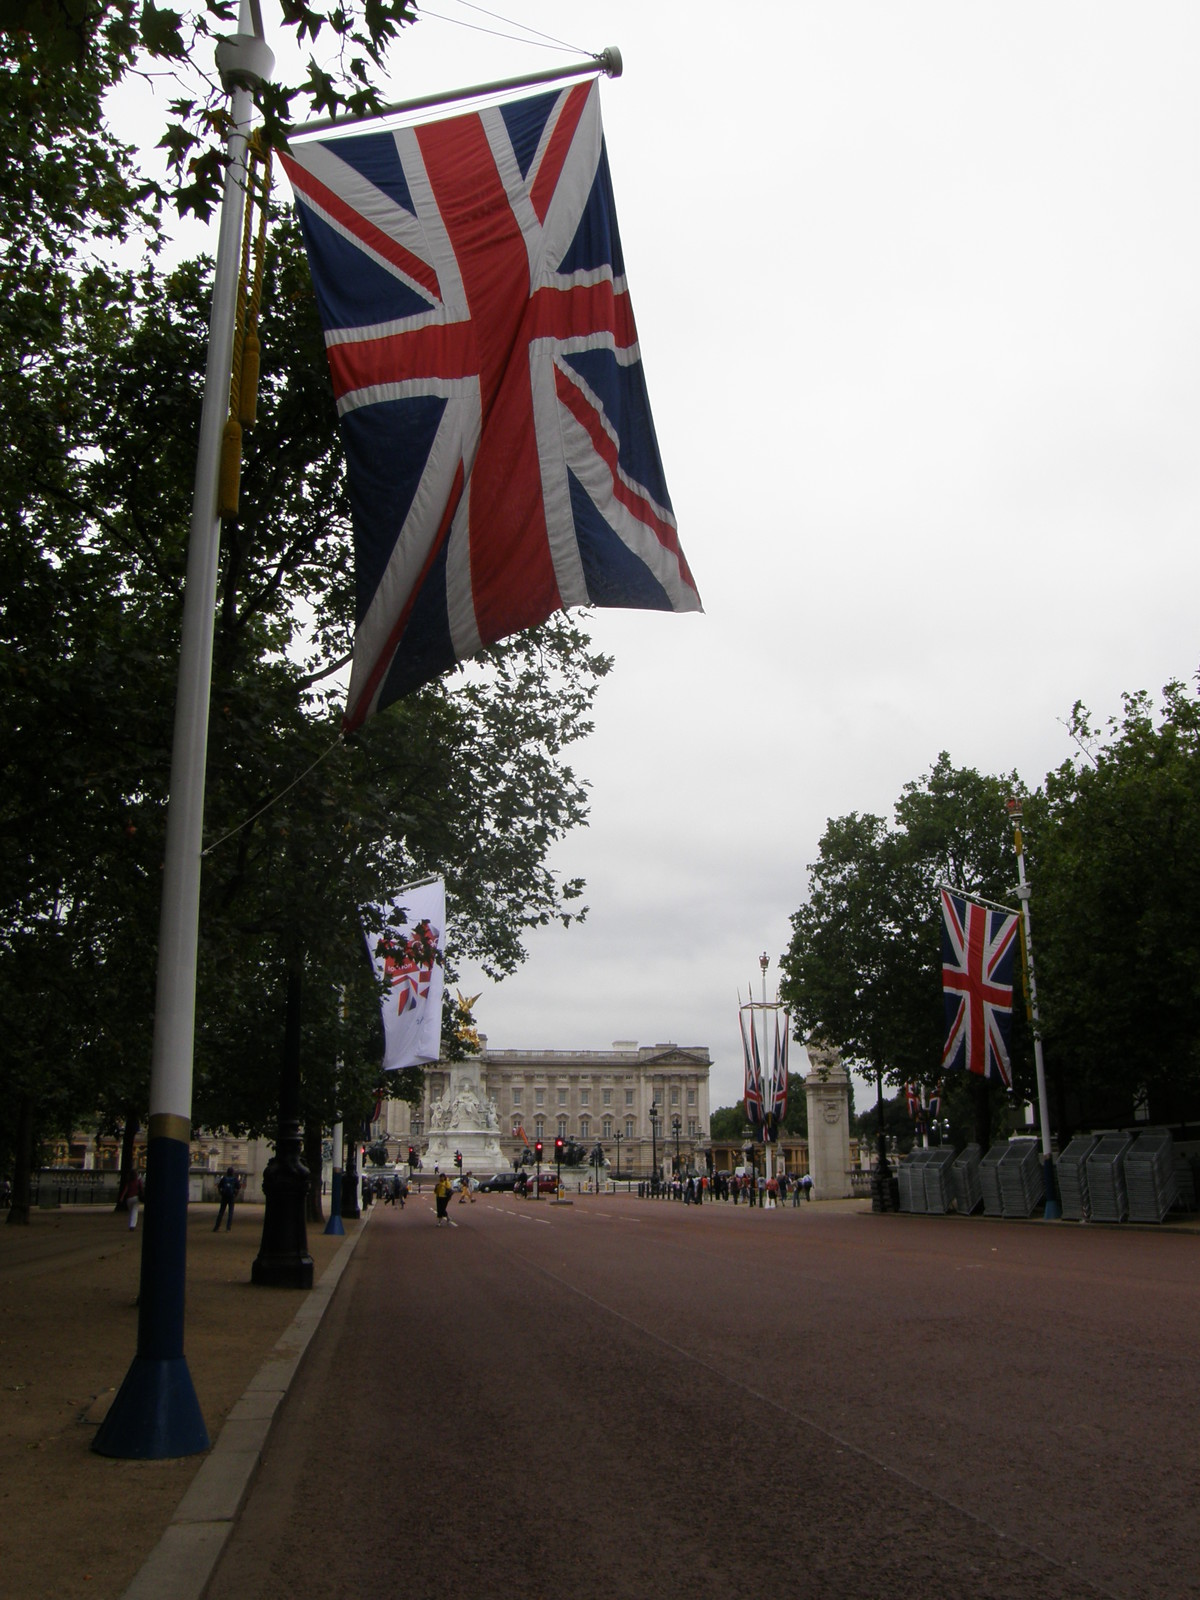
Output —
<point x="227" y="1193"/>
<point x="441" y="1197"/>
<point x="131" y="1197"/>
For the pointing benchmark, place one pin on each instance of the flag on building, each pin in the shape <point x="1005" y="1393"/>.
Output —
<point x="753" y="1094"/>
<point x="502" y="460"/>
<point x="913" y="1099"/>
<point x="406" y="958"/>
<point x="979" y="947"/>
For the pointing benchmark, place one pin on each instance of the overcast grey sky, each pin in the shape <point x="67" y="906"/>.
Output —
<point x="916" y="291"/>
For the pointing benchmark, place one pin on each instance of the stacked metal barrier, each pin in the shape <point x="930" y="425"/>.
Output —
<point x="989" y="1179"/>
<point x="912" y="1181"/>
<point x="1106" y="1177"/>
<point x="1150" y="1176"/>
<point x="1072" y="1177"/>
<point x="935" y="1174"/>
<point x="1020" y="1173"/>
<point x="968" y="1192"/>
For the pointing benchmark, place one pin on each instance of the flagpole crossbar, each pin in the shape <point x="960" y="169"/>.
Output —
<point x="980" y="900"/>
<point x="608" y="62"/>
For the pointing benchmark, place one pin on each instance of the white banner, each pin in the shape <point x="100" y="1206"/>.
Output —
<point x="412" y="1005"/>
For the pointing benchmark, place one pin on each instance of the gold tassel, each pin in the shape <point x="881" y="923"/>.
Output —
<point x="248" y="388"/>
<point x="230" y="479"/>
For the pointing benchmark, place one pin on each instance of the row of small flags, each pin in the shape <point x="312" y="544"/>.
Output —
<point x="766" y="1102"/>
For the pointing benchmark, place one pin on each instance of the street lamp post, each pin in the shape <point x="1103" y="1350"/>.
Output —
<point x="618" y="1136"/>
<point x="654" y="1149"/>
<point x="676" y="1124"/>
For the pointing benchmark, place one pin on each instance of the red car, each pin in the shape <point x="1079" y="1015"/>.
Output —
<point x="547" y="1183"/>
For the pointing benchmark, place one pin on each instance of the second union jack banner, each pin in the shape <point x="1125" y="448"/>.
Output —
<point x="502" y="460"/>
<point x="979" y="948"/>
<point x="753" y="1095"/>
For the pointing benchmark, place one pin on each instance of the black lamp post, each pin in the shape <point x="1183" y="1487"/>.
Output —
<point x="676" y="1124"/>
<point x="618" y="1137"/>
<point x="654" y="1146"/>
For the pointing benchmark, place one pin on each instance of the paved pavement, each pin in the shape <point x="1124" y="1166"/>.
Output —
<point x="619" y="1397"/>
<point x="629" y="1398"/>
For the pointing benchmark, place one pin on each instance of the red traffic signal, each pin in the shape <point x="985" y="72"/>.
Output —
<point x="538" y="1147"/>
<point x="558" y="1148"/>
<point x="458" y="1159"/>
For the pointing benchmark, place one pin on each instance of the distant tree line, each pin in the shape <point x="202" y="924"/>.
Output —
<point x="1112" y="847"/>
<point x="101" y="374"/>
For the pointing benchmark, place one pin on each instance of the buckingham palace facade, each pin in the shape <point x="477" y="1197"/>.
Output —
<point x="629" y="1097"/>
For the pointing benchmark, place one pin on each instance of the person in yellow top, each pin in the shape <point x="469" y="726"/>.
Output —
<point x="441" y="1197"/>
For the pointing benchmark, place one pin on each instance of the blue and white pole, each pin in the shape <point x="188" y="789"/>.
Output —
<point x="156" y="1413"/>
<point x="335" y="1223"/>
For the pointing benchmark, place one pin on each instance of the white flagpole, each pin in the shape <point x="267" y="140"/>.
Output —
<point x="156" y="1413"/>
<point x="1053" y="1209"/>
<point x="768" y="1090"/>
<point x="608" y="61"/>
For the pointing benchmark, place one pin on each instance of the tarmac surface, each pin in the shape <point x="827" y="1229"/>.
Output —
<point x="631" y="1398"/>
<point x="622" y="1398"/>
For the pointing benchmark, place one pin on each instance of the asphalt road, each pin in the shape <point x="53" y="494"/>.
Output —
<point x="627" y="1398"/>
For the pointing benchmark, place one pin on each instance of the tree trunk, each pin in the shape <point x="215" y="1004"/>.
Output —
<point x="314" y="1136"/>
<point x="18" y="1211"/>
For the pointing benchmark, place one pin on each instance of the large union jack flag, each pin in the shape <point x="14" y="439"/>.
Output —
<point x="502" y="460"/>
<point x="979" y="949"/>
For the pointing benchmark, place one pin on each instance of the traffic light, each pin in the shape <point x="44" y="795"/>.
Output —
<point x="458" y="1159"/>
<point x="538" y="1149"/>
<point x="412" y="1155"/>
<point x="558" y="1149"/>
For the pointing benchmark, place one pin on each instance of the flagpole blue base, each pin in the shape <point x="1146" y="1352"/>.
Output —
<point x="1053" y="1211"/>
<point x="335" y="1224"/>
<point x="155" y="1415"/>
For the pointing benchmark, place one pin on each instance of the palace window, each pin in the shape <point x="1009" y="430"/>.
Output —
<point x="516" y="1097"/>
<point x="607" y="1096"/>
<point x="629" y="1127"/>
<point x="539" y="1128"/>
<point x="585" y="1097"/>
<point x="562" y="1127"/>
<point x="629" y="1097"/>
<point x="584" y="1127"/>
<point x="693" y="1127"/>
<point x="674" y="1096"/>
<point x="606" y="1125"/>
<point x="539" y="1096"/>
<point x="692" y="1097"/>
<point x="562" y="1097"/>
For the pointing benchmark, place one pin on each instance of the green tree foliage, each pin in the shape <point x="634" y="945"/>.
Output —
<point x="863" y="969"/>
<point x="1116" y="876"/>
<point x="467" y="777"/>
<point x="73" y="52"/>
<point x="727" y="1122"/>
